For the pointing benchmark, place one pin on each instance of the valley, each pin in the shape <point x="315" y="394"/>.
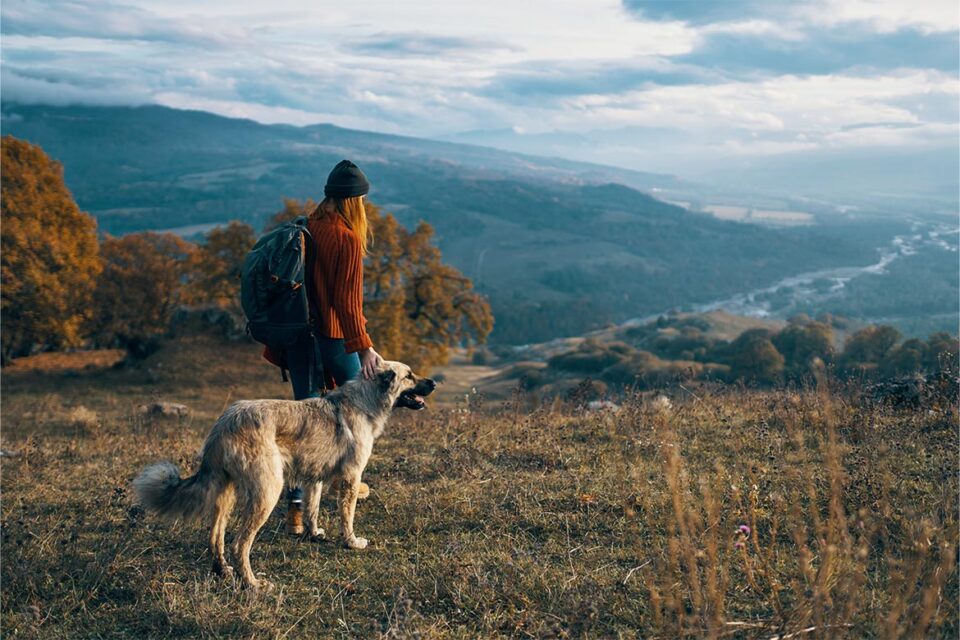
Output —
<point x="560" y="248"/>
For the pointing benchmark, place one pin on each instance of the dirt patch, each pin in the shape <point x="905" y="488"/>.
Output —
<point x="61" y="361"/>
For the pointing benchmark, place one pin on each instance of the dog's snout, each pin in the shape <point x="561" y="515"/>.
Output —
<point x="431" y="384"/>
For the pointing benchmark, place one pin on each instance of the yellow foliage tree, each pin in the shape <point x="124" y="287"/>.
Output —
<point x="440" y="309"/>
<point x="291" y="209"/>
<point x="145" y="277"/>
<point x="217" y="266"/>
<point x="48" y="254"/>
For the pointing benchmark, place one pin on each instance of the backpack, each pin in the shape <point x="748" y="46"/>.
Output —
<point x="273" y="286"/>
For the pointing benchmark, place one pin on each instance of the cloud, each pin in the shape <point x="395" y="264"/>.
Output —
<point x="825" y="51"/>
<point x="883" y="16"/>
<point x="539" y="80"/>
<point x="59" y="90"/>
<point x="654" y="85"/>
<point x="700" y="13"/>
<point x="421" y="45"/>
<point x="259" y="112"/>
<point x="809" y="105"/>
<point x="111" y="21"/>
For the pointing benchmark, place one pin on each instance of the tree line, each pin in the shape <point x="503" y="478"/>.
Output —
<point x="677" y="348"/>
<point x="65" y="287"/>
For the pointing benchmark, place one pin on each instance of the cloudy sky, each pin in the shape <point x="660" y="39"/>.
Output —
<point x="680" y="86"/>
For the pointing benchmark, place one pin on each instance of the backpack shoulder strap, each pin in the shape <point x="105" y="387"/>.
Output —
<point x="309" y="257"/>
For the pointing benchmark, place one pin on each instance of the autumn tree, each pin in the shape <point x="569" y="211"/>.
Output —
<point x="865" y="350"/>
<point x="439" y="308"/>
<point x="904" y="359"/>
<point x="48" y="254"/>
<point x="938" y="355"/>
<point x="942" y="353"/>
<point x="217" y="266"/>
<point x="145" y="277"/>
<point x="291" y="209"/>
<point x="803" y="344"/>
<point x="385" y="293"/>
<point x="753" y="358"/>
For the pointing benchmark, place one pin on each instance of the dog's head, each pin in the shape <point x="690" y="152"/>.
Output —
<point x="404" y="386"/>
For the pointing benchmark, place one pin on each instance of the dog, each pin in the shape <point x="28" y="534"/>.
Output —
<point x="255" y="443"/>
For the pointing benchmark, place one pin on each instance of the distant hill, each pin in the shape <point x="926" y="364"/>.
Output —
<point x="556" y="245"/>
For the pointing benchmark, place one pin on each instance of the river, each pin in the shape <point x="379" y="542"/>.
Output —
<point x="777" y="301"/>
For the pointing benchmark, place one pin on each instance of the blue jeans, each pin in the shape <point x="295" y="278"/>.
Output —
<point x="338" y="367"/>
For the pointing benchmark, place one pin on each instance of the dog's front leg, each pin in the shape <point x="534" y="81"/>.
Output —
<point x="349" y="490"/>
<point x="311" y="510"/>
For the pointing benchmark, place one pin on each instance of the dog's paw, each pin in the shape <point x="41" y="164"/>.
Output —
<point x="261" y="586"/>
<point x="223" y="571"/>
<point x="355" y="543"/>
<point x="319" y="535"/>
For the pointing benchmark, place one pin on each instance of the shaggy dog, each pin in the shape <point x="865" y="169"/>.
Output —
<point x="256" y="442"/>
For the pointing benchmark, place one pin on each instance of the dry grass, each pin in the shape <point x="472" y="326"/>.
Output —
<point x="521" y="519"/>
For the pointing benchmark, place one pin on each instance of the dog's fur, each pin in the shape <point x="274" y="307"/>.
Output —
<point x="255" y="443"/>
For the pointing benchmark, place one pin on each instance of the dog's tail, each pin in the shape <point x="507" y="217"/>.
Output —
<point x="159" y="488"/>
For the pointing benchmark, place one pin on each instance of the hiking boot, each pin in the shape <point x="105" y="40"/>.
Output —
<point x="295" y="518"/>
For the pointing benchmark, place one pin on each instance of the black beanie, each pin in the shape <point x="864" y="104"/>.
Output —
<point x="346" y="181"/>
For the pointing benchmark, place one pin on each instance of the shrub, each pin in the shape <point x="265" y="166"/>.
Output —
<point x="753" y="358"/>
<point x="591" y="357"/>
<point x="802" y="345"/>
<point x="587" y="390"/>
<point x="942" y="353"/>
<point x="867" y="348"/>
<point x="622" y="373"/>
<point x="481" y="357"/>
<point x="689" y="344"/>
<point x="532" y="378"/>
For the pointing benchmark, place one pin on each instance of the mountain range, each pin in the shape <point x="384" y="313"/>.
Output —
<point x="559" y="247"/>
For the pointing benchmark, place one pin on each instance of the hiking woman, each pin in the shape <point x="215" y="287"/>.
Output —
<point x="338" y="226"/>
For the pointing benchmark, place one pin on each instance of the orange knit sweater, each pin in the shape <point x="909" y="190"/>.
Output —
<point x="337" y="279"/>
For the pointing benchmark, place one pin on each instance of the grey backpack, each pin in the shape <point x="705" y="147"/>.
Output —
<point x="274" y="287"/>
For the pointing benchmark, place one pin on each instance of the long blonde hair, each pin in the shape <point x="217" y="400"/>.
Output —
<point x="352" y="211"/>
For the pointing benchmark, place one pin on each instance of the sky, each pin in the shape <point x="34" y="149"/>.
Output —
<point x="675" y="86"/>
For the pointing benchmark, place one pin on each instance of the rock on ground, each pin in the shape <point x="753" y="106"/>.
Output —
<point x="169" y="409"/>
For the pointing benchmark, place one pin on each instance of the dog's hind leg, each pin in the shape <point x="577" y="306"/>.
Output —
<point x="223" y="507"/>
<point x="263" y="486"/>
<point x="311" y="506"/>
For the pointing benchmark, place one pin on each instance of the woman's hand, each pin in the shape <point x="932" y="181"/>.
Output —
<point x="369" y="361"/>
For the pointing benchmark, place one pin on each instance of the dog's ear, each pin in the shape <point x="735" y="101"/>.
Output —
<point x="386" y="378"/>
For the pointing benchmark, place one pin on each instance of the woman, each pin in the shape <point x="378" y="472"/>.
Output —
<point x="340" y="234"/>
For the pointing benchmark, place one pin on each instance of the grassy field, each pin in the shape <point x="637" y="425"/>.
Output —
<point x="733" y="514"/>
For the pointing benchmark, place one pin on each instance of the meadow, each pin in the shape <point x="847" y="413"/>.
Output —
<point x="732" y="513"/>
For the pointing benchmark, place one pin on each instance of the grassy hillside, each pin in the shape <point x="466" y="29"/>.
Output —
<point x="557" y="248"/>
<point x="733" y="514"/>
